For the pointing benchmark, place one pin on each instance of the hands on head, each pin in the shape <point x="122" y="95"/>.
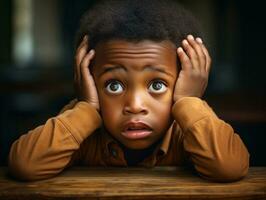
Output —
<point x="191" y="82"/>
<point x="83" y="80"/>
<point x="195" y="67"/>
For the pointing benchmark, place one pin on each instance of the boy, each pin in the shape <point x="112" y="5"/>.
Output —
<point x="139" y="76"/>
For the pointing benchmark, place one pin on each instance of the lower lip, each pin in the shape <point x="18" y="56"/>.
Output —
<point x="136" y="134"/>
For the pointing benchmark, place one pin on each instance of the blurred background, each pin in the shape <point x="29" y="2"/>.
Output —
<point x="37" y="49"/>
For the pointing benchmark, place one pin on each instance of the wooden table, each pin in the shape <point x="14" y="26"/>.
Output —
<point x="133" y="183"/>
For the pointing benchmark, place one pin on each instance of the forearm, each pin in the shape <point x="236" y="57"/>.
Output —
<point x="217" y="153"/>
<point x="47" y="150"/>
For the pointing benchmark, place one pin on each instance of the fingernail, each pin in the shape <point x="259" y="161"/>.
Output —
<point x="185" y="42"/>
<point x="179" y="49"/>
<point x="199" y="40"/>
<point x="190" y="37"/>
<point x="85" y="37"/>
<point x="92" y="51"/>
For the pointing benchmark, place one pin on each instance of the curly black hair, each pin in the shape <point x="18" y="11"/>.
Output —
<point x="137" y="20"/>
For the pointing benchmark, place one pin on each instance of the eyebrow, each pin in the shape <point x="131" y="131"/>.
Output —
<point x="120" y="67"/>
<point x="112" y="68"/>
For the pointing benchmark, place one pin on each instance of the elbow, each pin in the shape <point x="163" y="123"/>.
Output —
<point x="24" y="170"/>
<point x="226" y="172"/>
<point x="27" y="172"/>
<point x="20" y="170"/>
<point x="230" y="173"/>
<point x="20" y="165"/>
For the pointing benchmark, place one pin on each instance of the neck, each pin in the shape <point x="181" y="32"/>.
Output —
<point x="134" y="156"/>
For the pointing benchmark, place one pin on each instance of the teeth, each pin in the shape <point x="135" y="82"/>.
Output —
<point x="135" y="129"/>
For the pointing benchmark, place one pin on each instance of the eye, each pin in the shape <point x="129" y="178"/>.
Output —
<point x="114" y="87"/>
<point x="157" y="87"/>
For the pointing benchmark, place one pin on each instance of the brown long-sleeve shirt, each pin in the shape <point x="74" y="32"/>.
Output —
<point x="197" y="136"/>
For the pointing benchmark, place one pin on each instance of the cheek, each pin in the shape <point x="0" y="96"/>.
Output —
<point x="110" y="111"/>
<point x="164" y="101"/>
<point x="162" y="108"/>
<point x="168" y="97"/>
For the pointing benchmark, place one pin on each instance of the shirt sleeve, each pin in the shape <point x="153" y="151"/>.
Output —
<point x="217" y="153"/>
<point x="49" y="148"/>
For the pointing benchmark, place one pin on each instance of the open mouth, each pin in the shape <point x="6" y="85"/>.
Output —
<point x="136" y="130"/>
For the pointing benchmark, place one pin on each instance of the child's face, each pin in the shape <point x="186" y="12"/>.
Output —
<point x="135" y="84"/>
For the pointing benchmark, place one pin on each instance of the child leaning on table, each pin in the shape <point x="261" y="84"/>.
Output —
<point x="141" y="69"/>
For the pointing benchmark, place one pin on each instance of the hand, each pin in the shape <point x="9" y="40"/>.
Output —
<point x="83" y="81"/>
<point x="195" y="67"/>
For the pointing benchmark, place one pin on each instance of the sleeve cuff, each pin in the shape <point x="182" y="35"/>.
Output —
<point x="189" y="110"/>
<point x="81" y="121"/>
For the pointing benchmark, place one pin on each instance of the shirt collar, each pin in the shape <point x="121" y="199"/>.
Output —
<point x="163" y="146"/>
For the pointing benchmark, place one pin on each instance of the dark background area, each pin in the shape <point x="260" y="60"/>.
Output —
<point x="36" y="56"/>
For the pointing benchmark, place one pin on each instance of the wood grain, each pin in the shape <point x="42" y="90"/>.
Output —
<point x="133" y="183"/>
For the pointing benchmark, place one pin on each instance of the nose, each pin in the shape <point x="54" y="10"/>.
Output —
<point x="135" y="104"/>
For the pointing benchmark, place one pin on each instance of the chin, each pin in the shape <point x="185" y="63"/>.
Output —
<point x="136" y="144"/>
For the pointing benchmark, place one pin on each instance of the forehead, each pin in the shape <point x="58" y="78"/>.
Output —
<point x="135" y="54"/>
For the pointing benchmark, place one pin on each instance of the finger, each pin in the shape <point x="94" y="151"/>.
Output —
<point x="184" y="59"/>
<point x="85" y="70"/>
<point x="208" y="58"/>
<point x="81" y="51"/>
<point x="191" y="54"/>
<point x="87" y="79"/>
<point x="85" y="38"/>
<point x="80" y="54"/>
<point x="199" y="51"/>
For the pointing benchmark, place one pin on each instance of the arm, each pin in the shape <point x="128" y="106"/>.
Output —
<point x="48" y="149"/>
<point x="217" y="153"/>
